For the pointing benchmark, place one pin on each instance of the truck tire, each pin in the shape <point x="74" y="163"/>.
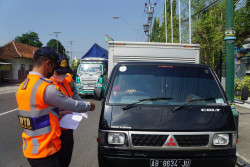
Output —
<point x="97" y="94"/>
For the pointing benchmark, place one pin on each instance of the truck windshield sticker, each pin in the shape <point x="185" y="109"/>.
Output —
<point x="123" y="68"/>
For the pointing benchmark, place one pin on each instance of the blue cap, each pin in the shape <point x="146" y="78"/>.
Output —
<point x="48" y="52"/>
<point x="63" y="66"/>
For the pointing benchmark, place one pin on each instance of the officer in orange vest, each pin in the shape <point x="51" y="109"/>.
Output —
<point x="38" y="102"/>
<point x="64" y="81"/>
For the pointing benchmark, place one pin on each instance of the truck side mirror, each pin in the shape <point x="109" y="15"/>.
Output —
<point x="244" y="93"/>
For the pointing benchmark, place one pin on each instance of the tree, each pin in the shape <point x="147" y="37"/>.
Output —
<point x="160" y="31"/>
<point x="208" y="31"/>
<point x="175" y="22"/>
<point x="30" y="38"/>
<point x="208" y="25"/>
<point x="156" y="30"/>
<point x="242" y="23"/>
<point x="53" y="43"/>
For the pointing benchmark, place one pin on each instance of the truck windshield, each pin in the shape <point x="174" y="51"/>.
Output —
<point x="89" y="68"/>
<point x="180" y="84"/>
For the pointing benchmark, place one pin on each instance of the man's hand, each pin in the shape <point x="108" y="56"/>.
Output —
<point x="92" y="108"/>
<point x="62" y="113"/>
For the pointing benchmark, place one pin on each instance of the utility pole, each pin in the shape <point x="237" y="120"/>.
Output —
<point x="56" y="34"/>
<point x="230" y="40"/>
<point x="179" y="3"/>
<point x="150" y="12"/>
<point x="166" y="24"/>
<point x="190" y="28"/>
<point x="171" y="11"/>
<point x="71" y="50"/>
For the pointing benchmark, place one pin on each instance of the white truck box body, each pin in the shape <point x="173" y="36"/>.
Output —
<point x="123" y="51"/>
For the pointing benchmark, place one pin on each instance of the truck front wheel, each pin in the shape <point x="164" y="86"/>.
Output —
<point x="97" y="94"/>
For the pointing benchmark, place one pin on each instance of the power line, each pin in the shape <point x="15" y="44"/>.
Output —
<point x="139" y="28"/>
<point x="204" y="9"/>
<point x="159" y="9"/>
<point x="143" y="29"/>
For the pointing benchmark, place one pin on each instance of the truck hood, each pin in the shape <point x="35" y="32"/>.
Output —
<point x="195" y="118"/>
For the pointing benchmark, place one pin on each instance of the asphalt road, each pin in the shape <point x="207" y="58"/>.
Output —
<point x="85" y="149"/>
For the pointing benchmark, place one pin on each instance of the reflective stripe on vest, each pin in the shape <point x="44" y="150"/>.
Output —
<point x="68" y="83"/>
<point x="33" y="95"/>
<point x="35" y="145"/>
<point x="25" y="144"/>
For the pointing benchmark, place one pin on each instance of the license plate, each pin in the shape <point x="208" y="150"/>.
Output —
<point x="170" y="163"/>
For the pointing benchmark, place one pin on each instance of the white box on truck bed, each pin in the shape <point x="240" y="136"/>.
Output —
<point x="123" y="51"/>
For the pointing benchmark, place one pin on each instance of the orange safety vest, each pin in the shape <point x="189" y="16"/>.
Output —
<point x="65" y="87"/>
<point x="69" y="84"/>
<point x="38" y="119"/>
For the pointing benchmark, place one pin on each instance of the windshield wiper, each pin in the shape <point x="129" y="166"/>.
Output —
<point x="192" y="102"/>
<point x="148" y="99"/>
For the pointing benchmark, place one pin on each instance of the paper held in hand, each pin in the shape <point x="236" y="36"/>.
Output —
<point x="71" y="121"/>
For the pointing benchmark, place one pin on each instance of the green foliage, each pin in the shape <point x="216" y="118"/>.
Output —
<point x="242" y="22"/>
<point x="159" y="33"/>
<point x="156" y="30"/>
<point x="30" y="38"/>
<point x="239" y="84"/>
<point x="175" y="22"/>
<point x="207" y="27"/>
<point x="208" y="31"/>
<point x="53" y="43"/>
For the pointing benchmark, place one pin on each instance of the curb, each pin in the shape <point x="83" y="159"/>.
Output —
<point x="240" y="105"/>
<point x="242" y="162"/>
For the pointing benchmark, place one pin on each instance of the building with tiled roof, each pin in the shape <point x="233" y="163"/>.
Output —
<point x="15" y="61"/>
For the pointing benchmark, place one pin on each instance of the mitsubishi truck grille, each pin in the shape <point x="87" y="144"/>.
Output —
<point x="192" y="140"/>
<point x="148" y="140"/>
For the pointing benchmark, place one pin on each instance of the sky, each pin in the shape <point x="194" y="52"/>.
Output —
<point x="81" y="21"/>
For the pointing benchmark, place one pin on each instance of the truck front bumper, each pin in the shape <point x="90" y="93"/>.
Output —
<point x="85" y="92"/>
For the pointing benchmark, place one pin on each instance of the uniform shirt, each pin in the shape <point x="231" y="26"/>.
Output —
<point x="55" y="98"/>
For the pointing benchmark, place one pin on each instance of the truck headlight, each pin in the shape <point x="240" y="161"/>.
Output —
<point x="116" y="138"/>
<point x="98" y="85"/>
<point x="221" y="139"/>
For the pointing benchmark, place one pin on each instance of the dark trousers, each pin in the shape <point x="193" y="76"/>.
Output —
<point x="66" y="150"/>
<point x="50" y="161"/>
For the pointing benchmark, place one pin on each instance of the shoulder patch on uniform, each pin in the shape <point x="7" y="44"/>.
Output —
<point x="25" y="83"/>
<point x="58" y="89"/>
<point x="46" y="79"/>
